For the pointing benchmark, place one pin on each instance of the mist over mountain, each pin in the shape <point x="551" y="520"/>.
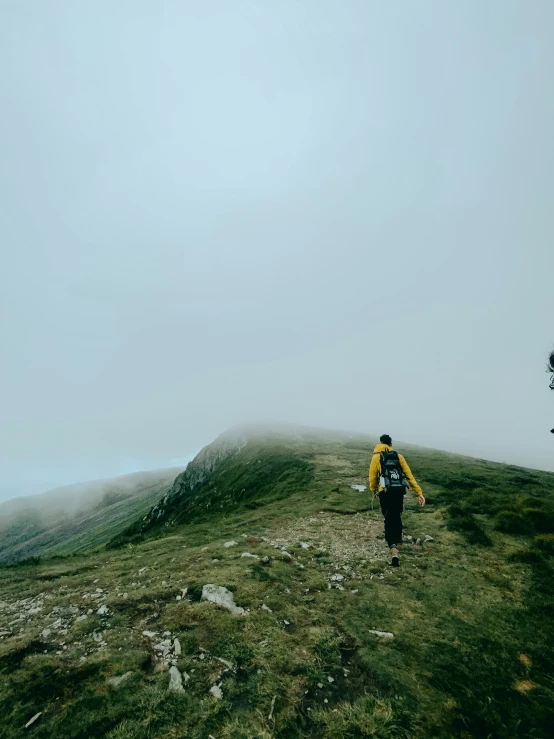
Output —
<point x="77" y="515"/>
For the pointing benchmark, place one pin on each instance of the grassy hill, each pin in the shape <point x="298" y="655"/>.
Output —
<point x="78" y="517"/>
<point x="87" y="641"/>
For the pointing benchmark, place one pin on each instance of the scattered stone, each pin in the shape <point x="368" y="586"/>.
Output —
<point x="116" y="681"/>
<point x="177" y="647"/>
<point x="287" y="623"/>
<point x="175" y="680"/>
<point x="45" y="633"/>
<point x="103" y="611"/>
<point x="359" y="488"/>
<point x="383" y="634"/>
<point x="330" y="679"/>
<point x="418" y="541"/>
<point x="336" y="578"/>
<point x="231" y="543"/>
<point x="265" y="560"/>
<point x="184" y="591"/>
<point x="225" y="662"/>
<point x="408" y="537"/>
<point x="149" y="634"/>
<point x="428" y="538"/>
<point x="286" y="554"/>
<point x="178" y="597"/>
<point x="266" y="608"/>
<point x="142" y="569"/>
<point x="247" y="554"/>
<point x="221" y="596"/>
<point x="97" y="636"/>
<point x="215" y="690"/>
<point x="320" y="685"/>
<point x="81" y="618"/>
<point x="32" y="720"/>
<point x="270" y="717"/>
<point x="305" y="545"/>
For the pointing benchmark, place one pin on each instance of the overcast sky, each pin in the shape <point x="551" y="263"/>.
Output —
<point x="332" y="213"/>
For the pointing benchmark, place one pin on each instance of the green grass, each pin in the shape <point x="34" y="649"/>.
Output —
<point x="473" y="643"/>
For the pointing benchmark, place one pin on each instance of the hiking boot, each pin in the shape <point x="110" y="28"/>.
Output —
<point x="395" y="559"/>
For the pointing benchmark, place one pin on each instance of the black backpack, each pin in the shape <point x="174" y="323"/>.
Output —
<point x="392" y="472"/>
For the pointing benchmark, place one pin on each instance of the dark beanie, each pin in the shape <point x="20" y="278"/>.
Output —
<point x="385" y="439"/>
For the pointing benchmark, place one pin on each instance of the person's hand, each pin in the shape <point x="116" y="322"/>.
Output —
<point x="421" y="500"/>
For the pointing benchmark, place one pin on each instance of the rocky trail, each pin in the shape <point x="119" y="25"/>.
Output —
<point x="83" y="623"/>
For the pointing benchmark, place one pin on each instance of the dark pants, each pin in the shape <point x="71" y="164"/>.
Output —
<point x="392" y="505"/>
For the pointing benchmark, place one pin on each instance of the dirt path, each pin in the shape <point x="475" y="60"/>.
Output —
<point x="347" y="539"/>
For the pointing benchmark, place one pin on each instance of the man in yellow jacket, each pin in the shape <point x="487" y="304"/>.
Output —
<point x="388" y="477"/>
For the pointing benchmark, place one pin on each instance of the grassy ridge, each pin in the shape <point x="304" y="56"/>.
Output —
<point x="70" y="520"/>
<point x="473" y="642"/>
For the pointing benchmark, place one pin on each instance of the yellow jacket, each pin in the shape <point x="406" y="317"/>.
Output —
<point x="375" y="470"/>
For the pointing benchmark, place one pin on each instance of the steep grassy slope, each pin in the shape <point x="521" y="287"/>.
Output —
<point x="78" y="516"/>
<point x="471" y="611"/>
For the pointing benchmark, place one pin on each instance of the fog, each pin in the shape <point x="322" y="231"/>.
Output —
<point x="333" y="214"/>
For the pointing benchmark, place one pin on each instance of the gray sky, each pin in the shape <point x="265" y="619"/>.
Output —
<point x="330" y="213"/>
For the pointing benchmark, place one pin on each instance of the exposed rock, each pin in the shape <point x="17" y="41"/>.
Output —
<point x="383" y="634"/>
<point x="103" y="611"/>
<point x="116" y="681"/>
<point x="215" y="690"/>
<point x="225" y="662"/>
<point x="428" y="538"/>
<point x="230" y="544"/>
<point x="175" y="680"/>
<point x="266" y="608"/>
<point x="81" y="618"/>
<point x="177" y="647"/>
<point x="336" y="578"/>
<point x="32" y="720"/>
<point x="222" y="597"/>
<point x="247" y="554"/>
<point x="149" y="634"/>
<point x="305" y="545"/>
<point x="359" y="488"/>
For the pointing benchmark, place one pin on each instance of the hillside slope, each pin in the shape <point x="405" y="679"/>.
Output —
<point x="78" y="516"/>
<point x="307" y="650"/>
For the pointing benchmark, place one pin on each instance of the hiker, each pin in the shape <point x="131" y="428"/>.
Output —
<point x="389" y="475"/>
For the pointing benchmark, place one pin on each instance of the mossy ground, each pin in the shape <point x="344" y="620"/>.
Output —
<point x="471" y="613"/>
